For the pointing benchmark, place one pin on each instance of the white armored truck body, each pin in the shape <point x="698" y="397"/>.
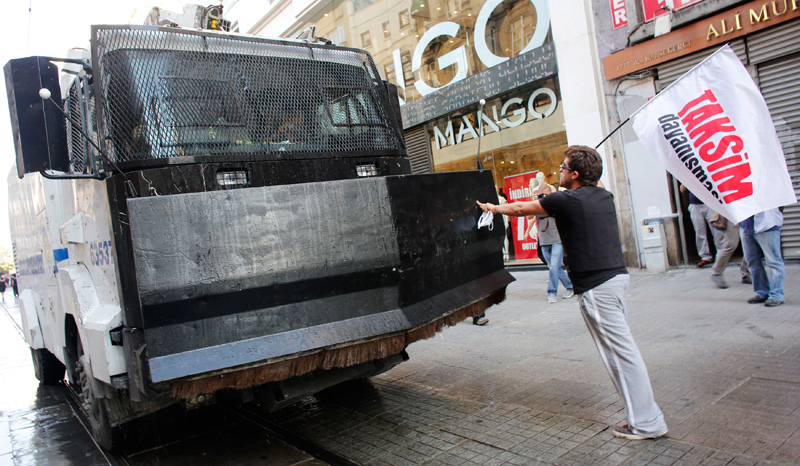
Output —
<point x="198" y="213"/>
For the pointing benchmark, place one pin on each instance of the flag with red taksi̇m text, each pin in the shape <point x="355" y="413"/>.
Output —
<point x="712" y="130"/>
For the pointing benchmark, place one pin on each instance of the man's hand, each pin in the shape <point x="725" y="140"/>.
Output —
<point x="487" y="207"/>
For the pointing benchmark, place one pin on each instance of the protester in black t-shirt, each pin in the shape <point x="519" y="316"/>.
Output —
<point x="587" y="223"/>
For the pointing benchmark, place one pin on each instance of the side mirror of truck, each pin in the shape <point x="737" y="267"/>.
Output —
<point x="39" y="129"/>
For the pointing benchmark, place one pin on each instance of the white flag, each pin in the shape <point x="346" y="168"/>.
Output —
<point x="712" y="130"/>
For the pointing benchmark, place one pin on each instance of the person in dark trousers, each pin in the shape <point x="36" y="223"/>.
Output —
<point x="13" y="281"/>
<point x="480" y="320"/>
<point x="587" y="223"/>
<point x="700" y="215"/>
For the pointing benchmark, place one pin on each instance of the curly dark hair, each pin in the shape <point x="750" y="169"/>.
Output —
<point x="587" y="162"/>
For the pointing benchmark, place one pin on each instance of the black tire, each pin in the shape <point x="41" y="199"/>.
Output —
<point x="47" y="368"/>
<point x="107" y="436"/>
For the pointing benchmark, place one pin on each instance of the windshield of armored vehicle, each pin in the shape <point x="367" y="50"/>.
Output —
<point x="173" y="93"/>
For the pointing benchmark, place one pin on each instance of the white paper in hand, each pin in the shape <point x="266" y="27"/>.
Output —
<point x="486" y="220"/>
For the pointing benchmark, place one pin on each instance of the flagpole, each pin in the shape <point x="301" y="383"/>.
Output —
<point x="671" y="84"/>
<point x="480" y="133"/>
<point x="612" y="133"/>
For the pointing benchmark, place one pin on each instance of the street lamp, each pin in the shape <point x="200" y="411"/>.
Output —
<point x="480" y="133"/>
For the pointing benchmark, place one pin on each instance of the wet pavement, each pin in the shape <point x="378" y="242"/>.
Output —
<point x="39" y="427"/>
<point x="528" y="388"/>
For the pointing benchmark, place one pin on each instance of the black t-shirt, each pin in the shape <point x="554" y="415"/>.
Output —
<point x="587" y="223"/>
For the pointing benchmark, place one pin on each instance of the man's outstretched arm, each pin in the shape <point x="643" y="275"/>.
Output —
<point x="515" y="209"/>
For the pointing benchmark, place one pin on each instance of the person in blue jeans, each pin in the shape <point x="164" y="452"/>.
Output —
<point x="761" y="238"/>
<point x="552" y="252"/>
<point x="554" y="255"/>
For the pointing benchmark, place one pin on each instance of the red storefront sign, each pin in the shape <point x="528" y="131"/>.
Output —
<point x="619" y="15"/>
<point x="518" y="188"/>
<point x="653" y="8"/>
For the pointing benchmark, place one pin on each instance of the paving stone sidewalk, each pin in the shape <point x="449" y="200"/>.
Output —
<point x="529" y="388"/>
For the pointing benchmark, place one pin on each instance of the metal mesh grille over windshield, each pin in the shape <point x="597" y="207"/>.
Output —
<point x="79" y="107"/>
<point x="173" y="93"/>
<point x="75" y="140"/>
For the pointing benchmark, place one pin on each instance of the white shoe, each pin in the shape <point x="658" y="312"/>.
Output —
<point x="625" y="432"/>
<point x="568" y="294"/>
<point x="552" y="299"/>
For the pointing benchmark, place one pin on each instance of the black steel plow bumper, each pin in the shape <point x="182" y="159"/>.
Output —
<point x="248" y="286"/>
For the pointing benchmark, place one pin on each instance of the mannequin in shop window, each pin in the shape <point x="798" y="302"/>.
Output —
<point x="536" y="186"/>
<point x="507" y="222"/>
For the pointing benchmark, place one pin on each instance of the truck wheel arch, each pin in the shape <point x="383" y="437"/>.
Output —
<point x="89" y="320"/>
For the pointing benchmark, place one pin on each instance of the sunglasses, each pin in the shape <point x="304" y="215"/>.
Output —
<point x="565" y="167"/>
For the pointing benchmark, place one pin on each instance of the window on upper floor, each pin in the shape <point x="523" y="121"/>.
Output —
<point x="366" y="40"/>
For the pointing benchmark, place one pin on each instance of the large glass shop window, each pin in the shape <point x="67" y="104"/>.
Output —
<point x="523" y="136"/>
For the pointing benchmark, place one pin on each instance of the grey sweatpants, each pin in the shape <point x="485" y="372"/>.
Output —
<point x="699" y="213"/>
<point x="603" y="309"/>
<point x="726" y="242"/>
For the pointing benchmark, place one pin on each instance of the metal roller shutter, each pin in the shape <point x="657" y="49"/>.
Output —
<point x="670" y="71"/>
<point x="419" y="149"/>
<point x="781" y="90"/>
<point x="774" y="42"/>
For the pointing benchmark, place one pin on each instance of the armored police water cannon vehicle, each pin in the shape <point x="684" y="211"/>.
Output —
<point x="198" y="213"/>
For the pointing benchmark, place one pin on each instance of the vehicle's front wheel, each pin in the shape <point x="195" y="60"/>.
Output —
<point x="47" y="368"/>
